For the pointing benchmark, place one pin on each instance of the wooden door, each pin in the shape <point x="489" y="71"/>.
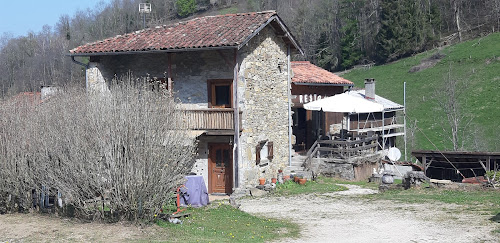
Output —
<point x="220" y="166"/>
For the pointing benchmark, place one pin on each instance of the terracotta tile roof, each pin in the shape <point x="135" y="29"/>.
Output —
<point x="26" y="98"/>
<point x="308" y="73"/>
<point x="230" y="30"/>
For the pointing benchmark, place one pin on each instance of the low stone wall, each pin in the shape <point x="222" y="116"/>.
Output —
<point x="343" y="171"/>
<point x="347" y="171"/>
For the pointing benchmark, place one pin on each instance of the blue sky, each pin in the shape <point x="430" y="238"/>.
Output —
<point x="21" y="16"/>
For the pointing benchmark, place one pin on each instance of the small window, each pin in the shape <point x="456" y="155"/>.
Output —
<point x="220" y="93"/>
<point x="264" y="150"/>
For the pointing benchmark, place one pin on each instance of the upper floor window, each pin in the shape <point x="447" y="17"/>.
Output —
<point x="220" y="93"/>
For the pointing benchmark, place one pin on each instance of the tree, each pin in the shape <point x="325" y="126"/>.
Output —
<point x="325" y="55"/>
<point x="450" y="98"/>
<point x="406" y="28"/>
<point x="350" y="40"/>
<point x="185" y="7"/>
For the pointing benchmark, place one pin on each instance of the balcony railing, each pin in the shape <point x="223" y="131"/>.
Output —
<point x="209" y="119"/>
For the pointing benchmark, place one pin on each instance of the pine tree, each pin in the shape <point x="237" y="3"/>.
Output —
<point x="350" y="46"/>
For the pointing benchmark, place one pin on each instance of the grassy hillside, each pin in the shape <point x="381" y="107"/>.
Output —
<point x="476" y="62"/>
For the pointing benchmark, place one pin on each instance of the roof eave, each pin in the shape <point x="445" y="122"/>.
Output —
<point x="321" y="84"/>
<point x="152" y="51"/>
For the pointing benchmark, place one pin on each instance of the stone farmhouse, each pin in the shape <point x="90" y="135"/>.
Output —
<point x="232" y="74"/>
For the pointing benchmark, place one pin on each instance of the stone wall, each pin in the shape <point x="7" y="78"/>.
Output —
<point x="347" y="171"/>
<point x="337" y="170"/>
<point x="263" y="98"/>
<point x="190" y="71"/>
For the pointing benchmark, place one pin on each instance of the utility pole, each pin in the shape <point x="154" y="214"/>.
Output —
<point x="144" y="8"/>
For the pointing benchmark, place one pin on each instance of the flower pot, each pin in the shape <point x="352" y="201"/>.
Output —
<point x="302" y="181"/>
<point x="273" y="180"/>
<point x="296" y="178"/>
<point x="286" y="178"/>
<point x="262" y="181"/>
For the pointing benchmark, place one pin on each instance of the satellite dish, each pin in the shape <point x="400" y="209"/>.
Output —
<point x="394" y="154"/>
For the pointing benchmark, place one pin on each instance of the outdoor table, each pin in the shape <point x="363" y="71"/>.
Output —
<point x="196" y="192"/>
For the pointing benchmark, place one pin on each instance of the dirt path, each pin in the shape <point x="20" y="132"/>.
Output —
<point x="43" y="228"/>
<point x="347" y="217"/>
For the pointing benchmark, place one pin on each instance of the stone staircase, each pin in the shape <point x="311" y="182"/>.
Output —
<point x="297" y="166"/>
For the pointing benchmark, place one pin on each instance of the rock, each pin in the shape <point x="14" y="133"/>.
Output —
<point x="257" y="193"/>
<point x="233" y="203"/>
<point x="174" y="221"/>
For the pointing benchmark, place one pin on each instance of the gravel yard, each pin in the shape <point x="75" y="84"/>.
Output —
<point x="346" y="217"/>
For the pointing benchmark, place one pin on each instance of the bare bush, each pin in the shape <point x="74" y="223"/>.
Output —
<point x="123" y="151"/>
<point x="458" y="125"/>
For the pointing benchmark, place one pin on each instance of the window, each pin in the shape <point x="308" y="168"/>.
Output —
<point x="220" y="93"/>
<point x="264" y="150"/>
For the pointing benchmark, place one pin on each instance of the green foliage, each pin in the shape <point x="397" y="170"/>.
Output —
<point x="185" y="7"/>
<point x="493" y="175"/>
<point x="325" y="55"/>
<point x="476" y="59"/>
<point x="350" y="51"/>
<point x="224" y="223"/>
<point x="405" y="29"/>
<point x="350" y="40"/>
<point x="321" y="185"/>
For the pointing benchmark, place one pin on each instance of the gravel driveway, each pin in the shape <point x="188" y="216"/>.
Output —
<point x="347" y="217"/>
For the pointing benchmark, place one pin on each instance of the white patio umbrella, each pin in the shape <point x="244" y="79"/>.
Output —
<point x="344" y="103"/>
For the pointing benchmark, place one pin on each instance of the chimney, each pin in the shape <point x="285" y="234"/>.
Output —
<point x="370" y="88"/>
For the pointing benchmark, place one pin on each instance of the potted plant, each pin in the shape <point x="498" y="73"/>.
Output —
<point x="296" y="178"/>
<point x="302" y="181"/>
<point x="262" y="181"/>
<point x="273" y="180"/>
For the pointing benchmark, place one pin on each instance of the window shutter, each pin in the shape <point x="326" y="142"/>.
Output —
<point x="257" y="155"/>
<point x="270" y="153"/>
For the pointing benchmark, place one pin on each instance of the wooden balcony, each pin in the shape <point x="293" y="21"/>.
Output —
<point x="210" y="119"/>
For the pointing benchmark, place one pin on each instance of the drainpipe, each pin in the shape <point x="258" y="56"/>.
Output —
<point x="86" y="67"/>
<point x="289" y="108"/>
<point x="236" y="110"/>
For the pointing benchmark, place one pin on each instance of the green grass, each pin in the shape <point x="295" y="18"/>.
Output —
<point x="476" y="62"/>
<point x="479" y="200"/>
<point x="230" y="10"/>
<point x="321" y="185"/>
<point x="223" y="223"/>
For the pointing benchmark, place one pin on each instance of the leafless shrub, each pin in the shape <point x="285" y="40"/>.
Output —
<point x="458" y="127"/>
<point x="124" y="151"/>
